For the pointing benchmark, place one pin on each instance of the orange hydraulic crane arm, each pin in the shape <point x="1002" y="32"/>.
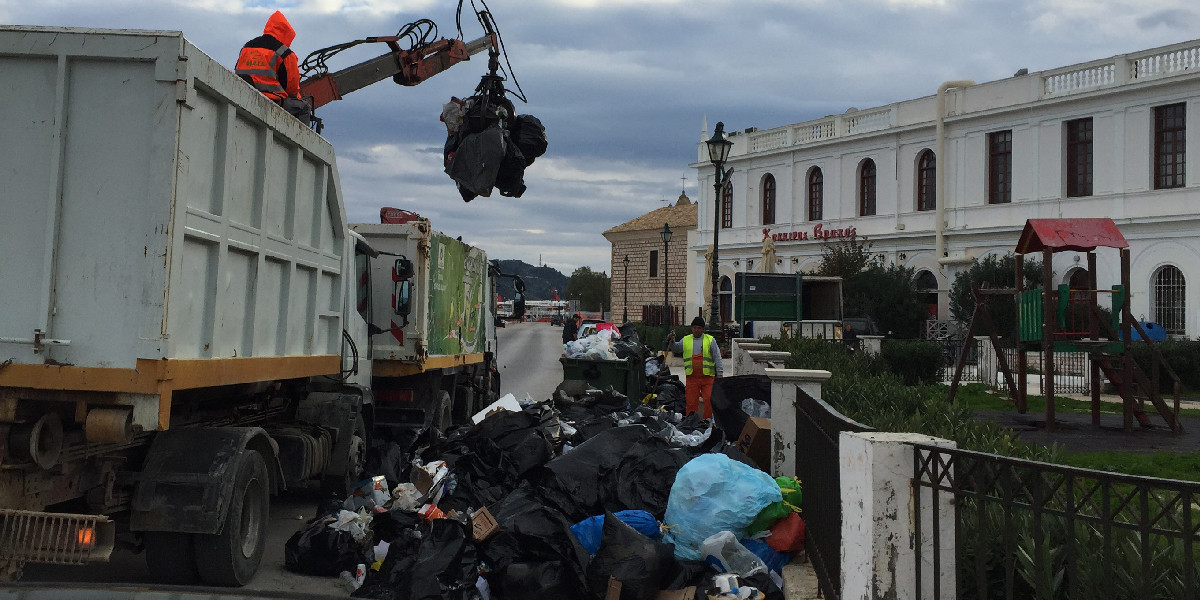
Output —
<point x="405" y="67"/>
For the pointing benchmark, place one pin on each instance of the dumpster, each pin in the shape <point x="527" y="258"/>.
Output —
<point x="627" y="376"/>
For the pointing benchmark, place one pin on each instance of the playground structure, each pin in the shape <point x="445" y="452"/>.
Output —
<point x="1061" y="319"/>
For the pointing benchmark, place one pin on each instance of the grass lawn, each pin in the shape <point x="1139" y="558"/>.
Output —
<point x="1168" y="465"/>
<point x="977" y="397"/>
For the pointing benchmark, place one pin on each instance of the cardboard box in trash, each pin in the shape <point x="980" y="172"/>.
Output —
<point x="483" y="525"/>
<point x="614" y="592"/>
<point x="755" y="441"/>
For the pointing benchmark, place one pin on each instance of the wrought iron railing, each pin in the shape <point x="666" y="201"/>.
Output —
<point x="1072" y="374"/>
<point x="819" y="469"/>
<point x="1024" y="529"/>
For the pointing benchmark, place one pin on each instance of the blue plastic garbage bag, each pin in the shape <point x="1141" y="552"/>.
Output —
<point x="775" y="560"/>
<point x="714" y="493"/>
<point x="590" y="530"/>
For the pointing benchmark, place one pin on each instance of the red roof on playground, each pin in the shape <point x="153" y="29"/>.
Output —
<point x="1080" y="235"/>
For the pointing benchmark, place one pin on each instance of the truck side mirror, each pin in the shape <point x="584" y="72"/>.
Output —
<point x="518" y="305"/>
<point x="518" y="298"/>
<point x="402" y="272"/>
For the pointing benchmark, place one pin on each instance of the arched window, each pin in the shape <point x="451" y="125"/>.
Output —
<point x="768" y="200"/>
<point x="816" y="190"/>
<point x="1169" y="306"/>
<point x="926" y="178"/>
<point x="727" y="206"/>
<point x="726" y="299"/>
<point x="926" y="283"/>
<point x="866" y="188"/>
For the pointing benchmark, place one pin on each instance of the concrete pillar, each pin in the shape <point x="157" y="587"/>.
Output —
<point x="878" y="521"/>
<point x="783" y="413"/>
<point x="871" y="344"/>
<point x="741" y="362"/>
<point x="761" y="360"/>
<point x="986" y="363"/>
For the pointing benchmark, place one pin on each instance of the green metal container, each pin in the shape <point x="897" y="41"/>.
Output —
<point x="627" y="376"/>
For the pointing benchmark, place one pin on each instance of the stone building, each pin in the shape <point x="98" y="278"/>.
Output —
<point x="651" y="267"/>
<point x="938" y="181"/>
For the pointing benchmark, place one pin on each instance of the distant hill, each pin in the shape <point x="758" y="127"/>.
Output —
<point x="538" y="280"/>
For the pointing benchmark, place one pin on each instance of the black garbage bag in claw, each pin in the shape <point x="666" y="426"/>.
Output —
<point x="638" y="562"/>
<point x="528" y="133"/>
<point x="473" y="160"/>
<point x="534" y="555"/>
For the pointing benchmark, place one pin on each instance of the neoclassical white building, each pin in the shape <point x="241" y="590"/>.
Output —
<point x="1108" y="138"/>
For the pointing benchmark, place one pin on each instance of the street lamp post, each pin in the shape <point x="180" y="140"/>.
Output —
<point x="665" y="234"/>
<point x="718" y="153"/>
<point x="625" y="302"/>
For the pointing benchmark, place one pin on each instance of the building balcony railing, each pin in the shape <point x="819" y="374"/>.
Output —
<point x="1110" y="72"/>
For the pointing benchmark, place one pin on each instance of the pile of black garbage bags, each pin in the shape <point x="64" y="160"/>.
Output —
<point x="576" y="497"/>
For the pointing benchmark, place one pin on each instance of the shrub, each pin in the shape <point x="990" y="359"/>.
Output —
<point x="889" y="296"/>
<point x="863" y="388"/>
<point x="913" y="361"/>
<point x="1182" y="355"/>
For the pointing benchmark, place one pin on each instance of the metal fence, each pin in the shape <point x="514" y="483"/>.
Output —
<point x="1072" y="374"/>
<point x="818" y="467"/>
<point x="951" y="347"/>
<point x="1024" y="529"/>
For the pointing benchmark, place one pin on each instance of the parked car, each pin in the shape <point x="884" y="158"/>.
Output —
<point x="862" y="325"/>
<point x="591" y="327"/>
<point x="556" y="319"/>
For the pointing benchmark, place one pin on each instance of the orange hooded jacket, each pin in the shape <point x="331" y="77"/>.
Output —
<point x="267" y="63"/>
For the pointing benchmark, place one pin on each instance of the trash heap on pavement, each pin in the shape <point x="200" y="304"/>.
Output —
<point x="576" y="497"/>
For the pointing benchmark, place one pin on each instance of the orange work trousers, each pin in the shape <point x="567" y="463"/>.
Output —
<point x="699" y="385"/>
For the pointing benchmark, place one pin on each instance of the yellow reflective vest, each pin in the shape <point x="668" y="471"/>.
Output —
<point x="708" y="365"/>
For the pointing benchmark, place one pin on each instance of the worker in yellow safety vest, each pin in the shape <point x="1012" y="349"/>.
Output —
<point x="701" y="364"/>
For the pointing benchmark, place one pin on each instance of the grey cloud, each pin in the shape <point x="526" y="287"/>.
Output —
<point x="1175" y="18"/>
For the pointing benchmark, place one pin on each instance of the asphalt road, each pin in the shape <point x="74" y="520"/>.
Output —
<point x="528" y="361"/>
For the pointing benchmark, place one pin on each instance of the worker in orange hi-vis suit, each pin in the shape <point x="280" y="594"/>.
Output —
<point x="701" y="365"/>
<point x="268" y="63"/>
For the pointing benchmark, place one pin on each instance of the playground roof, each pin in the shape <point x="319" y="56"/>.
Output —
<point x="1080" y="235"/>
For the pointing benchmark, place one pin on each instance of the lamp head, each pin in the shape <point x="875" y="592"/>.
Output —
<point x="718" y="146"/>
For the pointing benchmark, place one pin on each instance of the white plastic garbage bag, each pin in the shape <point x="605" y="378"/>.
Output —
<point x="724" y="552"/>
<point x="756" y="408"/>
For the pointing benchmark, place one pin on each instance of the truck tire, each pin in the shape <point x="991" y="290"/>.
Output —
<point x="231" y="558"/>
<point x="356" y="463"/>
<point x="443" y="415"/>
<point x="464" y="404"/>
<point x="170" y="556"/>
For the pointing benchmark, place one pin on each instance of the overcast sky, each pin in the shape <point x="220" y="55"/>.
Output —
<point x="623" y="85"/>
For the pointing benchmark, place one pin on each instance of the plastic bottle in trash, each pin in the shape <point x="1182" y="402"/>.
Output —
<point x="346" y="580"/>
<point x="724" y="552"/>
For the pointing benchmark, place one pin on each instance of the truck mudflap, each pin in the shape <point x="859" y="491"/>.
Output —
<point x="55" y="538"/>
<point x="186" y="483"/>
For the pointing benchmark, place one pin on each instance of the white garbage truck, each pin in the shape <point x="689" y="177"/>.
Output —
<point x="188" y="324"/>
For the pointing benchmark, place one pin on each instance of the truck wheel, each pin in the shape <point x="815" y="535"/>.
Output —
<point x="231" y="558"/>
<point x="443" y="416"/>
<point x="464" y="404"/>
<point x="356" y="463"/>
<point x="170" y="556"/>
